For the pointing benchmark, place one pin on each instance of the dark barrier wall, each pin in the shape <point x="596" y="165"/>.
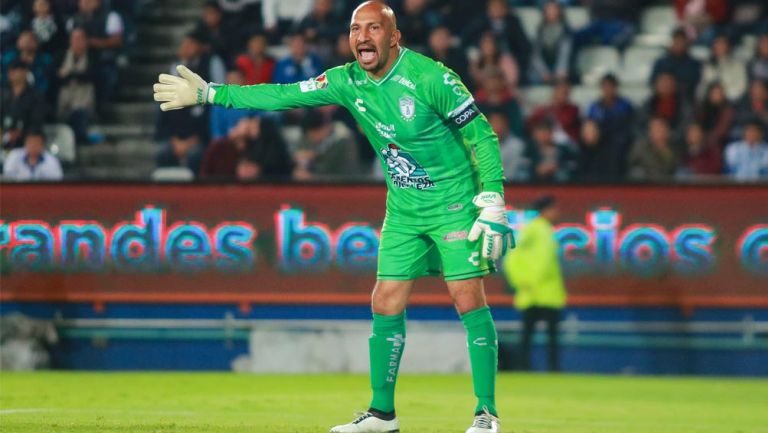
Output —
<point x="622" y="246"/>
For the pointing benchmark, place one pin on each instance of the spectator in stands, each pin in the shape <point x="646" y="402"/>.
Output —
<point x="40" y="64"/>
<point x="494" y="95"/>
<point x="47" y="27"/>
<point x="723" y="67"/>
<point x="550" y="161"/>
<point x="415" y="20"/>
<point x="754" y="105"/>
<point x="551" y="57"/>
<point x="614" y="22"/>
<point x="700" y="156"/>
<point x="507" y="30"/>
<point x="217" y="39"/>
<point x="191" y="53"/>
<point x="322" y="27"/>
<point x="747" y="160"/>
<point x="326" y="149"/>
<point x="223" y="119"/>
<point x="281" y="16"/>
<point x="184" y="149"/>
<point x="758" y="66"/>
<point x="76" y="100"/>
<point x="597" y="159"/>
<point x="252" y="149"/>
<point x="701" y="18"/>
<point x="561" y="110"/>
<point x="679" y="63"/>
<point x="652" y="157"/>
<point x="32" y="162"/>
<point x="490" y="57"/>
<point x="299" y="65"/>
<point x="105" y="38"/>
<point x="23" y="108"/>
<point x="441" y="49"/>
<point x="715" y="114"/>
<point x="667" y="103"/>
<point x="255" y="64"/>
<point x="615" y="115"/>
<point x="342" y="52"/>
<point x="513" y="149"/>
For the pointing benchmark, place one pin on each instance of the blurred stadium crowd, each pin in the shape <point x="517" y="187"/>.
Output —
<point x="577" y="90"/>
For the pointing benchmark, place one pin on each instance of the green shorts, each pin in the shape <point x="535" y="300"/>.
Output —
<point x="409" y="252"/>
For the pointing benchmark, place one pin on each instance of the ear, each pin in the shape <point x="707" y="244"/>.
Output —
<point x="395" y="39"/>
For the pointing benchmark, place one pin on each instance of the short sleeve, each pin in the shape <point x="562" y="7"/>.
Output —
<point x="451" y="98"/>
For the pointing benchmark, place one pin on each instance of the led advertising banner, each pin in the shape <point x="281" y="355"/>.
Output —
<point x="629" y="245"/>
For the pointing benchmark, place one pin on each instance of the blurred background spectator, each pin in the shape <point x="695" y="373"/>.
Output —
<point x="700" y="64"/>
<point x="652" y="157"/>
<point x="32" y="162"/>
<point x="325" y="150"/>
<point x="23" y="108"/>
<point x="747" y="159"/>
<point x="551" y="160"/>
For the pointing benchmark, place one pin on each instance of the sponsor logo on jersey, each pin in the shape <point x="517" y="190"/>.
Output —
<point x="448" y="80"/>
<point x="404" y="171"/>
<point x="386" y="131"/>
<point x="318" y="83"/>
<point x="359" y="105"/>
<point x="466" y="115"/>
<point x="407" y="107"/>
<point x="455" y="236"/>
<point x="455" y="207"/>
<point x="404" y="81"/>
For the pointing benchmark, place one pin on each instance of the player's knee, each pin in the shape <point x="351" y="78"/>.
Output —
<point x="468" y="300"/>
<point x="387" y="302"/>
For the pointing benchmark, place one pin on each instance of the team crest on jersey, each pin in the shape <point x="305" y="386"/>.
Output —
<point x="404" y="171"/>
<point x="407" y="107"/>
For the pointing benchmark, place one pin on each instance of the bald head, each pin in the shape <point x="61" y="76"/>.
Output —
<point x="377" y="7"/>
<point x="374" y="38"/>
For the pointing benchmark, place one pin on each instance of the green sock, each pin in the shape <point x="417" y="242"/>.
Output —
<point x="483" y="356"/>
<point x="385" y="348"/>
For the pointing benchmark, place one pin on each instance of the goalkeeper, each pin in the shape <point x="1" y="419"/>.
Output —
<point x="445" y="205"/>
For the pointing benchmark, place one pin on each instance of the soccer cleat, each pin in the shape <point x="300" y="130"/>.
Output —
<point x="366" y="422"/>
<point x="485" y="423"/>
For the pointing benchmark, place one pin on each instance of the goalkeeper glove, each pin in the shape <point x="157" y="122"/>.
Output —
<point x="179" y="92"/>
<point x="492" y="225"/>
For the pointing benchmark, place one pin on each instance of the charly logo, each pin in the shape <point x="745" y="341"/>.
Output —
<point x="407" y="107"/>
<point x="404" y="171"/>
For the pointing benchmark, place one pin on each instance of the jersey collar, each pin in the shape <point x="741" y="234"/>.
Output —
<point x="383" y="79"/>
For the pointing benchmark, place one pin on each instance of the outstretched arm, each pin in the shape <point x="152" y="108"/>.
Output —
<point x="189" y="89"/>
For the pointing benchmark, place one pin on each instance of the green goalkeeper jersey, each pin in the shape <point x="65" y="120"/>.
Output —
<point x="436" y="149"/>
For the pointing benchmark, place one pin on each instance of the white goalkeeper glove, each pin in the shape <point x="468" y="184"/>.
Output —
<point x="179" y="92"/>
<point x="492" y="225"/>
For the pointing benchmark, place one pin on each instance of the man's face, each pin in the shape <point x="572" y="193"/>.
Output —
<point x="561" y="93"/>
<point x="543" y="136"/>
<point x="88" y="6"/>
<point x="608" y="89"/>
<point x="212" y="17"/>
<point x="757" y="91"/>
<point x="298" y="47"/>
<point x="188" y="49"/>
<point x="34" y="145"/>
<point x="17" y="76"/>
<point x="499" y="124"/>
<point x="497" y="9"/>
<point x="27" y="41"/>
<point x="257" y="45"/>
<point x="753" y="134"/>
<point x="78" y="41"/>
<point x="679" y="45"/>
<point x="665" y="85"/>
<point x="372" y="37"/>
<point x="659" y="132"/>
<point x="440" y="39"/>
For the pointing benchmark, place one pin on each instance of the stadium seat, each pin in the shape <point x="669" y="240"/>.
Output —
<point x="577" y="17"/>
<point x="637" y="63"/>
<point x="652" y="40"/>
<point x="61" y="142"/>
<point x="700" y="52"/>
<point x="584" y="95"/>
<point x="594" y="62"/>
<point x="637" y="93"/>
<point x="173" y="174"/>
<point x="534" y="96"/>
<point x="530" y="18"/>
<point x="658" y="20"/>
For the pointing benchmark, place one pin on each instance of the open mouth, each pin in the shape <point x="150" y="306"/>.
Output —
<point x="366" y="54"/>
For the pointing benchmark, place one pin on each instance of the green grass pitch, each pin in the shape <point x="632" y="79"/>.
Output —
<point x="239" y="403"/>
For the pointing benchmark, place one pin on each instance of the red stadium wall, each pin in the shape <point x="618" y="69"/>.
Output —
<point x="622" y="246"/>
